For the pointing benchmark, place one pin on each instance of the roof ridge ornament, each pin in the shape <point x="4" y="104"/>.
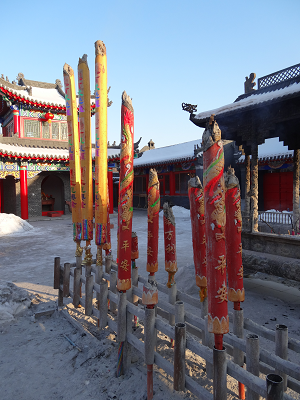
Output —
<point x="249" y="83"/>
<point x="190" y="108"/>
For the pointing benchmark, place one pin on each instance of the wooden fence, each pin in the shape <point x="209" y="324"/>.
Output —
<point x="101" y="285"/>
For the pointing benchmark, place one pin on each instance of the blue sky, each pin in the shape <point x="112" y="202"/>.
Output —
<point x="162" y="52"/>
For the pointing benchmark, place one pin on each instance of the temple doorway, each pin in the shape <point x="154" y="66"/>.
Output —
<point x="9" y="204"/>
<point x="52" y="190"/>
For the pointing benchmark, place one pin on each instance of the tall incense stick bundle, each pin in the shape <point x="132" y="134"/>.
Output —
<point x="236" y="292"/>
<point x="126" y="194"/>
<point x="170" y="244"/>
<point x="107" y="245"/>
<point x="100" y="147"/>
<point x="75" y="181"/>
<point x="85" y="153"/>
<point x="197" y="211"/>
<point x="215" y="221"/>
<point x="153" y="221"/>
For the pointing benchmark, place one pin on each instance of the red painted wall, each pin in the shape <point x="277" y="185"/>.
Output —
<point x="278" y="191"/>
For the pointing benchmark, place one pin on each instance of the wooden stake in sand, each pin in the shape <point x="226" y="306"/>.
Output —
<point x="75" y="180"/>
<point x="85" y="155"/>
<point x="100" y="148"/>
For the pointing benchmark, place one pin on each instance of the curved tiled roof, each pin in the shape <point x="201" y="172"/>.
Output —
<point x="251" y="101"/>
<point x="38" y="95"/>
<point x="169" y="154"/>
<point x="59" y="151"/>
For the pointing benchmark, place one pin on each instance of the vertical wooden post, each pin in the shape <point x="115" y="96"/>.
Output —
<point x="179" y="312"/>
<point x="209" y="342"/>
<point x="24" y="192"/>
<point x="172" y="292"/>
<point x="58" y="281"/>
<point x="113" y="288"/>
<point x="281" y="349"/>
<point x="252" y="360"/>
<point x="16" y="122"/>
<point x="56" y="272"/>
<point x="238" y="355"/>
<point x="77" y="286"/>
<point x="103" y="306"/>
<point x="220" y="374"/>
<point x="254" y="187"/>
<point x="247" y="185"/>
<point x="149" y="339"/>
<point x="66" y="280"/>
<point x="179" y="356"/>
<point x="274" y="387"/>
<point x="121" y="333"/>
<point x="296" y="190"/>
<point x="89" y="283"/>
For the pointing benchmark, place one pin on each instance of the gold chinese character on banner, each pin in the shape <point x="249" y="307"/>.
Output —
<point x="240" y="248"/>
<point x="170" y="249"/>
<point x="169" y="235"/>
<point x="125" y="245"/>
<point x="124" y="265"/>
<point x="222" y="293"/>
<point x="149" y="252"/>
<point x="222" y="264"/>
<point x="241" y="272"/>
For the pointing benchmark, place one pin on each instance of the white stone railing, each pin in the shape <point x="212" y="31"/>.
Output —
<point x="276" y="217"/>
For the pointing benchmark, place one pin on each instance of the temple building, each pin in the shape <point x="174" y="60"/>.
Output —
<point x="273" y="110"/>
<point x="175" y="165"/>
<point x="34" y="152"/>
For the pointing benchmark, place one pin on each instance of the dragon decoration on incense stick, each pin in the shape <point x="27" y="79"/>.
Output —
<point x="215" y="222"/>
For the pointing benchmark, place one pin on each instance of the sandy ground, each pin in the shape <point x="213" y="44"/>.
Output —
<point x="39" y="362"/>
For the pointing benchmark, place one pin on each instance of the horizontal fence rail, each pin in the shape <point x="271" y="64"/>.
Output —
<point x="195" y="325"/>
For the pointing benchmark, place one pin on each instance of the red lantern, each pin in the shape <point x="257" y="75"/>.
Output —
<point x="49" y="116"/>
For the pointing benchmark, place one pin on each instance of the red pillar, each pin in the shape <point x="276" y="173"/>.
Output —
<point x="16" y="122"/>
<point x="110" y="191"/>
<point x="24" y="192"/>
<point x="1" y="194"/>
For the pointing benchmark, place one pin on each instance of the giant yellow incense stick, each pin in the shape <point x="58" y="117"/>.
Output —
<point x="85" y="154"/>
<point x="72" y="122"/>
<point x="100" y="147"/>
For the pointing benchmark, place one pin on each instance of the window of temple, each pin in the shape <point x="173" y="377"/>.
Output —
<point x="181" y="182"/>
<point x="31" y="128"/>
<point x="64" y="131"/>
<point x="9" y="129"/>
<point x="139" y="184"/>
<point x="55" y="130"/>
<point x="45" y="130"/>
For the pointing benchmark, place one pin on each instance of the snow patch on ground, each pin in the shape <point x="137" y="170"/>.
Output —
<point x="179" y="212"/>
<point x="11" y="224"/>
<point x="14" y="301"/>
